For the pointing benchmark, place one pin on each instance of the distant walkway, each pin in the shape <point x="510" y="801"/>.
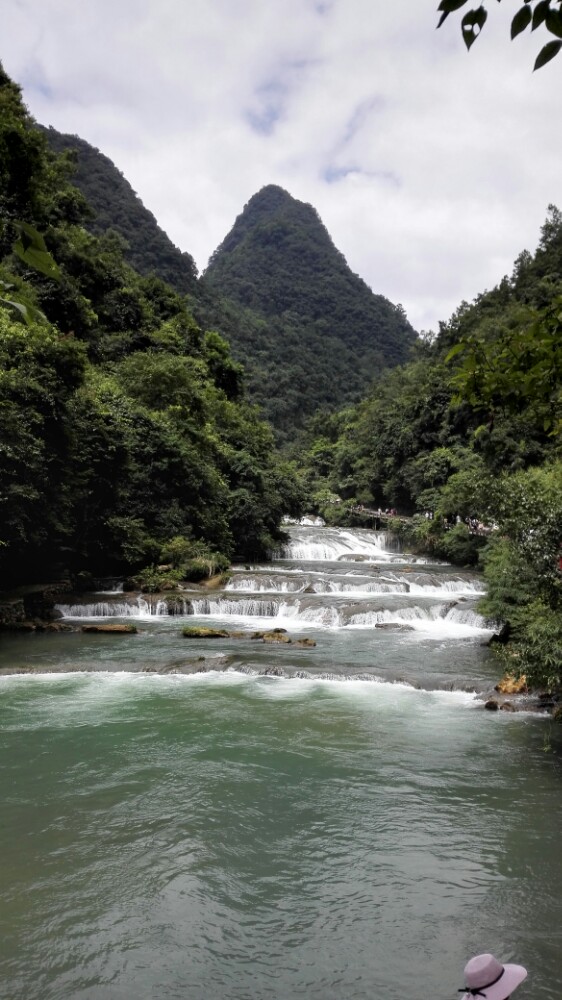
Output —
<point x="381" y="517"/>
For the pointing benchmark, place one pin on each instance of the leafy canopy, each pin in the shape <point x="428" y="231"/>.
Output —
<point x="545" y="14"/>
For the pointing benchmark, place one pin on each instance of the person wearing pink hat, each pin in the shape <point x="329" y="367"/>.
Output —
<point x="486" y="977"/>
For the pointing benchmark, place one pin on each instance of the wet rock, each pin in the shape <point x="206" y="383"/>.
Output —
<point x="202" y="632"/>
<point x="114" y="629"/>
<point x="510" y="684"/>
<point x="274" y="631"/>
<point x="216" y="582"/>
<point x="508" y="706"/>
<point x="178" y="606"/>
<point x="501" y="637"/>
<point x="444" y="611"/>
<point x="12" y="612"/>
<point x="55" y="627"/>
<point x="395" y="626"/>
<point x="304" y="642"/>
<point x="273" y="672"/>
<point x="276" y="637"/>
<point x="492" y="705"/>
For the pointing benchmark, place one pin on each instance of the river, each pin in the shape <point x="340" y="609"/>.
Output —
<point x="232" y="819"/>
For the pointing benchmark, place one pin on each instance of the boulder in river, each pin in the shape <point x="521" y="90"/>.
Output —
<point x="395" y="626"/>
<point x="113" y="628"/>
<point x="202" y="632"/>
<point x="274" y="631"/>
<point x="275" y="637"/>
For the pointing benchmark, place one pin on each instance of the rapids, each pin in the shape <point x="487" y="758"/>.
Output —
<point x="235" y="820"/>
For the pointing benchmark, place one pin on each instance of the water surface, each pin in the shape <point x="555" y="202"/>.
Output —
<point x="355" y="825"/>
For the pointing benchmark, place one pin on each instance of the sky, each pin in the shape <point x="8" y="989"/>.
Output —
<point x="432" y="168"/>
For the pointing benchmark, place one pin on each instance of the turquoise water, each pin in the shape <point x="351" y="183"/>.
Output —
<point x="332" y="832"/>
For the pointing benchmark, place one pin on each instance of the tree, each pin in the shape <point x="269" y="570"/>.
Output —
<point x="533" y="14"/>
<point x="510" y="360"/>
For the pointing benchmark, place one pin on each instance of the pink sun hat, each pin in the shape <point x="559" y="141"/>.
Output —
<point x="487" y="978"/>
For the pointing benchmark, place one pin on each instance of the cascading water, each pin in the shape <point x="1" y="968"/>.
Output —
<point x="379" y="599"/>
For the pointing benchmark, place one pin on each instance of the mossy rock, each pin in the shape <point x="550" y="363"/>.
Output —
<point x="202" y="632"/>
<point x="276" y="636"/>
<point x="304" y="643"/>
<point x="273" y="631"/>
<point x="114" y="629"/>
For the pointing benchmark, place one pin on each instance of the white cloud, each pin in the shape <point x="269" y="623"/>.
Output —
<point x="432" y="169"/>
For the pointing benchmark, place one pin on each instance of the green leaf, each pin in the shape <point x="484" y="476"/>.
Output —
<point x="540" y="12"/>
<point x="547" y="53"/>
<point x="447" y="7"/>
<point x="454" y="351"/>
<point x="553" y="22"/>
<point x="27" y="312"/>
<point x="521" y="21"/>
<point x="31" y="249"/>
<point x="474" y="19"/>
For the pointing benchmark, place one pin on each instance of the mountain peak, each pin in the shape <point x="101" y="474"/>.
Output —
<point x="279" y="261"/>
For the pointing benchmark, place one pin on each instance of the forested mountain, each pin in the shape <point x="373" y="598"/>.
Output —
<point x="309" y="332"/>
<point x="115" y="206"/>
<point x="125" y="439"/>
<point x="324" y="334"/>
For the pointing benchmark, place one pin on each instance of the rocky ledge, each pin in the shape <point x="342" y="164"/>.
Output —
<point x="276" y="635"/>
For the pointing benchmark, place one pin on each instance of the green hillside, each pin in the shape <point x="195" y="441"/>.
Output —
<point x="309" y="332"/>
<point x="325" y="335"/>
<point x="116" y="206"/>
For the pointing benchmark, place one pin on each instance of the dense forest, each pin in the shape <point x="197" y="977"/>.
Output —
<point x="324" y="334"/>
<point x="125" y="438"/>
<point x="114" y="205"/>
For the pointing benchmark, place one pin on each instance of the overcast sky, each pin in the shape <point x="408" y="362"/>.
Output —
<point x="432" y="168"/>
